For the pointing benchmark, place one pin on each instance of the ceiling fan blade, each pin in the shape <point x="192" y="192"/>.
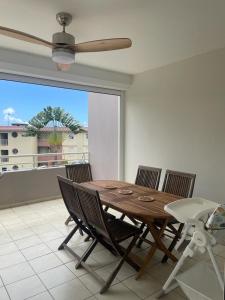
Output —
<point x="103" y="45"/>
<point x="63" y="67"/>
<point x="23" y="36"/>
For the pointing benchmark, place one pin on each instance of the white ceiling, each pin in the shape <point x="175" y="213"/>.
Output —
<point x="162" y="31"/>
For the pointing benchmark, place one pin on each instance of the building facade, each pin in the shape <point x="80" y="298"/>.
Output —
<point x="19" y="151"/>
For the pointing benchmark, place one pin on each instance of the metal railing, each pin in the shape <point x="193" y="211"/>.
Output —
<point x="4" y="142"/>
<point x="42" y="160"/>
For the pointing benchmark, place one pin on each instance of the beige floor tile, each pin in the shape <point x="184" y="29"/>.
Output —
<point x="125" y="272"/>
<point x="65" y="256"/>
<point x="220" y="250"/>
<point x="71" y="290"/>
<point x="143" y="287"/>
<point x="16" y="273"/>
<point x="3" y="294"/>
<point x="28" y="242"/>
<point x="10" y="220"/>
<point x="8" y="248"/>
<point x="11" y="259"/>
<point x="50" y="235"/>
<point x="45" y="263"/>
<point x="78" y="272"/>
<point x="36" y="251"/>
<point x="5" y="238"/>
<point x="160" y="271"/>
<point x="104" y="257"/>
<point x="25" y="288"/>
<point x="54" y="244"/>
<point x="20" y="234"/>
<point x="171" y="296"/>
<point x="43" y="228"/>
<point x="56" y="276"/>
<point x="42" y="296"/>
<point x="118" y="292"/>
<point x="92" y="284"/>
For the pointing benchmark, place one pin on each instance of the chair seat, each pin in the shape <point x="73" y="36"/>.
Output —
<point x="121" y="230"/>
<point x="109" y="216"/>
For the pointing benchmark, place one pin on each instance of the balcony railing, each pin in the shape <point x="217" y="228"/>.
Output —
<point x="43" y="160"/>
<point x="4" y="142"/>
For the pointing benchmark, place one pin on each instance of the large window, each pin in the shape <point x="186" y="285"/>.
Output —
<point x="41" y="126"/>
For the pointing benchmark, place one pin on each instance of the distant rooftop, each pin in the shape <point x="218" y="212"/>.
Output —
<point x="22" y="127"/>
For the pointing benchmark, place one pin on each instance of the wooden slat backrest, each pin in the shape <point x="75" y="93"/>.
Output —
<point x="79" y="172"/>
<point x="69" y="196"/>
<point x="179" y="183"/>
<point x="148" y="177"/>
<point x="92" y="209"/>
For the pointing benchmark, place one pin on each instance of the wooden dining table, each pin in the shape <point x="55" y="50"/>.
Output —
<point x="143" y="204"/>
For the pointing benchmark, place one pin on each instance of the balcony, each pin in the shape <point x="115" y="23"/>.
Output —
<point x="33" y="161"/>
<point x="33" y="180"/>
<point x="43" y="142"/>
<point x="3" y="142"/>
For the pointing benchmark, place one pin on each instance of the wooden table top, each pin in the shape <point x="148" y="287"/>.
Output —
<point x="130" y="204"/>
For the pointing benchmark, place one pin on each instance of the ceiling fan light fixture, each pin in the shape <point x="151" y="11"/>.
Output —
<point x="63" y="56"/>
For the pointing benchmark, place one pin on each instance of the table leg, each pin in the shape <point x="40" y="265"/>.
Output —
<point x="157" y="238"/>
<point x="157" y="244"/>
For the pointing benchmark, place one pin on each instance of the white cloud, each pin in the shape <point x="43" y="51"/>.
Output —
<point x="9" y="111"/>
<point x="9" y="115"/>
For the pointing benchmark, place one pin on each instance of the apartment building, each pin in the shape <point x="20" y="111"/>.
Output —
<point x="19" y="151"/>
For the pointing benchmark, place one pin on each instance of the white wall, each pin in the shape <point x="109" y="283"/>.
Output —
<point x="40" y="67"/>
<point x="175" y="118"/>
<point x="103" y="135"/>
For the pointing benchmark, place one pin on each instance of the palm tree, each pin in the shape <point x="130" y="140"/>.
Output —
<point x="54" y="117"/>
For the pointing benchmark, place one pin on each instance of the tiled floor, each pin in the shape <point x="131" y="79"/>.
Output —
<point x="31" y="267"/>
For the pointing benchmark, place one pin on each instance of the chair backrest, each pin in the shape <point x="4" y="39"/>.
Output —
<point x="79" y="172"/>
<point x="92" y="210"/>
<point x="148" y="176"/>
<point x="179" y="183"/>
<point x="69" y="197"/>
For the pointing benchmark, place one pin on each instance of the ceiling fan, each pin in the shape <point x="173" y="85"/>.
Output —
<point x="63" y="44"/>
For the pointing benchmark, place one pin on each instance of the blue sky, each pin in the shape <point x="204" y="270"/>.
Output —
<point x="25" y="100"/>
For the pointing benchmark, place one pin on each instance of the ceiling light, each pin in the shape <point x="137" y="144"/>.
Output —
<point x="63" y="56"/>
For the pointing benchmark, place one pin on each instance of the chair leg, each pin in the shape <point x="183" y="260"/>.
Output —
<point x="132" y="219"/>
<point x="106" y="208"/>
<point x="174" y="242"/>
<point x="86" y="254"/>
<point x="67" y="239"/>
<point x="118" y="267"/>
<point x="81" y="232"/>
<point x="68" y="220"/>
<point x="141" y="239"/>
<point x="122" y="217"/>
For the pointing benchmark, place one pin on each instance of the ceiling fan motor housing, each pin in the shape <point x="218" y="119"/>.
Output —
<point x="60" y="53"/>
<point x="63" y="38"/>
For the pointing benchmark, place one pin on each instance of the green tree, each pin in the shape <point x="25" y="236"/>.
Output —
<point x="54" y="117"/>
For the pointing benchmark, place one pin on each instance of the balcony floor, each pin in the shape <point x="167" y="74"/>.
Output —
<point x="31" y="267"/>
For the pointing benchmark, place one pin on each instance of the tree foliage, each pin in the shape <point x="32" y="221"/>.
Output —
<point x="56" y="116"/>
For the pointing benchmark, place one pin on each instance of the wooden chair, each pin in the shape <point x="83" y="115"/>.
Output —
<point x="107" y="232"/>
<point x="72" y="204"/>
<point x="78" y="173"/>
<point x="148" y="177"/>
<point x="180" y="184"/>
